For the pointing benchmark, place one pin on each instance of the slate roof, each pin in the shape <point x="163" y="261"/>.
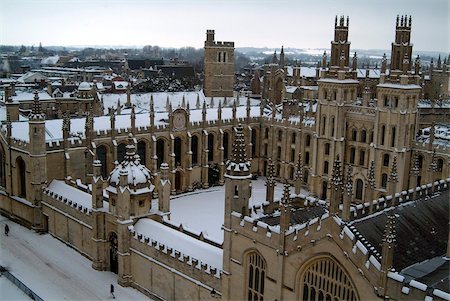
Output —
<point x="422" y="228"/>
<point x="298" y="216"/>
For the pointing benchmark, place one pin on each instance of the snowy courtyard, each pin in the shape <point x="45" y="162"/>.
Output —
<point x="53" y="270"/>
<point x="203" y="210"/>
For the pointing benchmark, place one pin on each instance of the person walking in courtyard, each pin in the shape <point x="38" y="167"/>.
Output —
<point x="112" y="291"/>
<point x="6" y="229"/>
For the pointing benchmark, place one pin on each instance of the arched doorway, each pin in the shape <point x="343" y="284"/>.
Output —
<point x="178" y="181"/>
<point x="113" y="259"/>
<point x="21" y="178"/>
<point x="213" y="175"/>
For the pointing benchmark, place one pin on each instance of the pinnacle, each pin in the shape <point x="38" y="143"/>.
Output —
<point x="239" y="154"/>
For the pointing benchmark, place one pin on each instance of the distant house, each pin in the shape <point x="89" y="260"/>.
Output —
<point x="119" y="87"/>
<point x="31" y="77"/>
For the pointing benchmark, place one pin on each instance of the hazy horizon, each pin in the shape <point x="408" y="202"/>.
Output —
<point x="259" y="24"/>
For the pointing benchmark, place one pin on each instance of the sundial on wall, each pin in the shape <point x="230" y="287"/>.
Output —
<point x="179" y="120"/>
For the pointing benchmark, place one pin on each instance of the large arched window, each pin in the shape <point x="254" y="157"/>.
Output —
<point x="383" y="133"/>
<point x="253" y="142"/>
<point x="359" y="189"/>
<point x="256" y="275"/>
<point x="21" y="177"/>
<point x="101" y="156"/>
<point x="325" y="279"/>
<point x="384" y="179"/>
<point x="308" y="140"/>
<point x="194" y="149"/>
<point x="178" y="151"/>
<point x="226" y="143"/>
<point x="160" y="152"/>
<point x="210" y="147"/>
<point x="440" y="165"/>
<point x="141" y="150"/>
<point x="121" y="151"/>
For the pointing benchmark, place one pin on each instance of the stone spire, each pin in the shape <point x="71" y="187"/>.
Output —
<point x="211" y="104"/>
<point x="197" y="103"/>
<point x="415" y="170"/>
<point x="355" y="62"/>
<point x="417" y="65"/>
<point x="387" y="252"/>
<point x="274" y="58"/>
<point x="371" y="185"/>
<point x="299" y="174"/>
<point x="348" y="195"/>
<point x="337" y="184"/>
<point x="282" y="57"/>
<point x="383" y="64"/>
<point x="36" y="111"/>
<point x="270" y="181"/>
<point x="183" y="102"/>
<point x="239" y="155"/>
<point x="285" y="209"/>
<point x="324" y="59"/>
<point x="393" y="177"/>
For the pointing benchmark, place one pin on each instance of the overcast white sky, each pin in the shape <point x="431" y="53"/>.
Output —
<point x="258" y="23"/>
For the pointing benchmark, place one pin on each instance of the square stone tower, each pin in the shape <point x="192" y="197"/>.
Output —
<point x="219" y="67"/>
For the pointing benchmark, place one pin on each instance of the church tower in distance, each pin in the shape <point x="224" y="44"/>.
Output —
<point x="219" y="67"/>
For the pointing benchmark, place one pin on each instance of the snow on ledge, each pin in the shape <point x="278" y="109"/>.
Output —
<point x="419" y="285"/>
<point x="396" y="276"/>
<point x="375" y="262"/>
<point x="441" y="294"/>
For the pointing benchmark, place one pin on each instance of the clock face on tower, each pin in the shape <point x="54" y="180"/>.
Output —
<point x="179" y="120"/>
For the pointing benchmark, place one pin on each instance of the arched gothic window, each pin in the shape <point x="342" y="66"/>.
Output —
<point x="101" y="156"/>
<point x="324" y="279"/>
<point x="194" y="149"/>
<point x="121" y="151"/>
<point x="256" y="275"/>
<point x="359" y="189"/>
<point x="141" y="151"/>
<point x="210" y="147"/>
<point x="225" y="143"/>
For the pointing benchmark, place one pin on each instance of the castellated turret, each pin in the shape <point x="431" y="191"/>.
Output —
<point x="237" y="178"/>
<point x="130" y="175"/>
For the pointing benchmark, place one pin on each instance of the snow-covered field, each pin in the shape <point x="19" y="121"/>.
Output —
<point x="203" y="210"/>
<point x="53" y="270"/>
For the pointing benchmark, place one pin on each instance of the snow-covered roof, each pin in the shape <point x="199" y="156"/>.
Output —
<point x="398" y="86"/>
<point x="187" y="245"/>
<point x="142" y="100"/>
<point x="84" y="86"/>
<point x="28" y="95"/>
<point x="51" y="60"/>
<point x="291" y="89"/>
<point x="338" y="81"/>
<point x="139" y="176"/>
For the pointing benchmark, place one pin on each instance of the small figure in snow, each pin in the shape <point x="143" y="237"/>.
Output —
<point x="6" y="229"/>
<point x="112" y="291"/>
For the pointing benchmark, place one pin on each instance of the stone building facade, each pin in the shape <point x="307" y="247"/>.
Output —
<point x="355" y="155"/>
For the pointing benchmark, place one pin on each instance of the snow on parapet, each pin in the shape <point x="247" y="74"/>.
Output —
<point x="199" y="254"/>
